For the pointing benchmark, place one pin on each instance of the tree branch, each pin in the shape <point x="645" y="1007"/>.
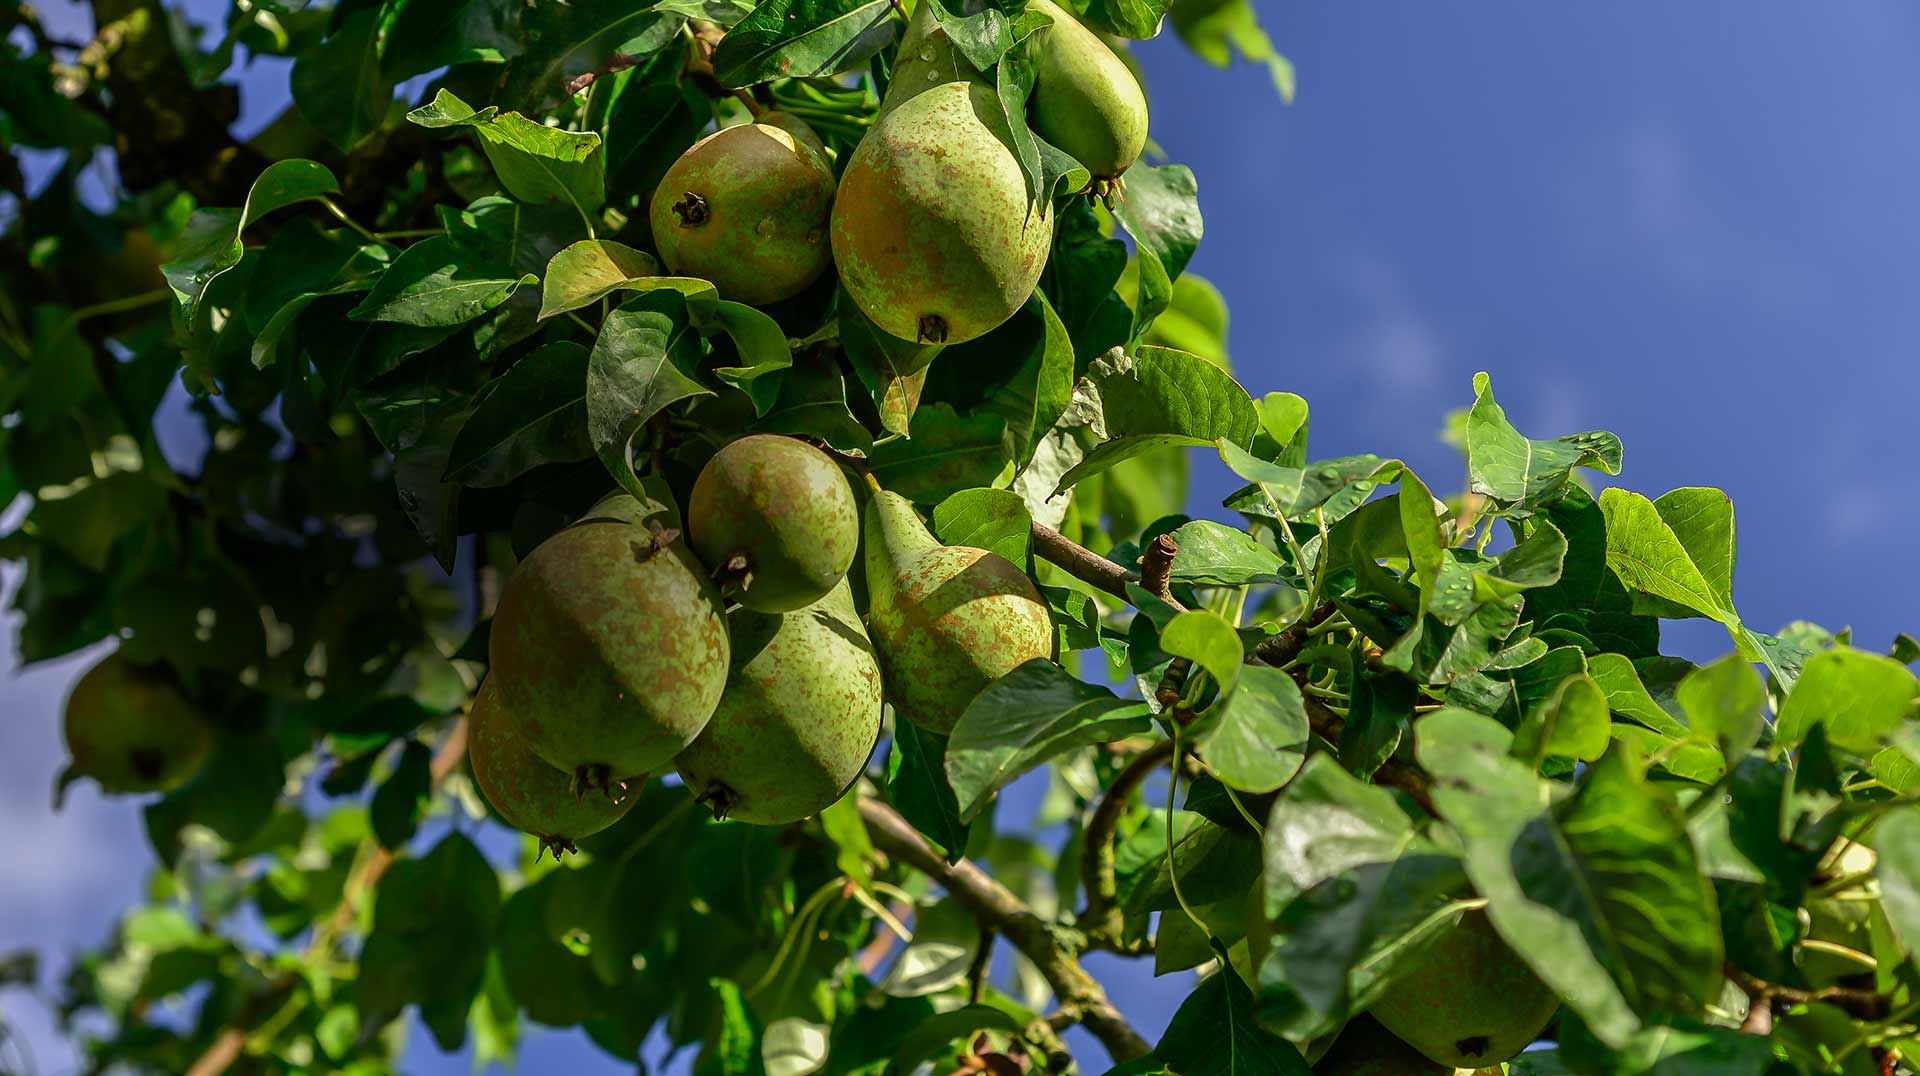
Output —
<point x="1050" y="947"/>
<point x="1856" y="1002"/>
<point x="1101" y="919"/>
<point x="1086" y="565"/>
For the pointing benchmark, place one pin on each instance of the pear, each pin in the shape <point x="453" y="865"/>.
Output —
<point x="747" y="208"/>
<point x="609" y="649"/>
<point x="946" y="620"/>
<point x="1085" y="101"/>
<point x="129" y="728"/>
<point x="1365" y="1048"/>
<point x="529" y="794"/>
<point x="926" y="58"/>
<point x="799" y="719"/>
<point x="776" y="520"/>
<point x="1468" y="1001"/>
<point x="933" y="232"/>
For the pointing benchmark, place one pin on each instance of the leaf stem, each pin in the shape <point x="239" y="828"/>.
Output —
<point x="341" y="215"/>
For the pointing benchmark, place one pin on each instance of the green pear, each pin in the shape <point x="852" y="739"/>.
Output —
<point x="776" y="520"/>
<point x="747" y="208"/>
<point x="129" y="728"/>
<point x="946" y="620"/>
<point x="1085" y="98"/>
<point x="1365" y="1048"/>
<point x="530" y="795"/>
<point x="934" y="235"/>
<point x="799" y="719"/>
<point x="1467" y="1001"/>
<point x="926" y="58"/>
<point x="609" y="649"/>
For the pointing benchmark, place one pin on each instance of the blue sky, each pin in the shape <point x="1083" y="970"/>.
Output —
<point x="1695" y="225"/>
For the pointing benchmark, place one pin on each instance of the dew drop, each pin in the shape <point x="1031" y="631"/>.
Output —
<point x="933" y="76"/>
<point x="927" y="54"/>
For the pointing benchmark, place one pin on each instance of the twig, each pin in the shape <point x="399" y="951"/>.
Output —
<point x="1084" y="564"/>
<point x="1050" y="947"/>
<point x="981" y="965"/>
<point x="620" y="62"/>
<point x="1856" y="1002"/>
<point x="1156" y="567"/>
<point x="1101" y="920"/>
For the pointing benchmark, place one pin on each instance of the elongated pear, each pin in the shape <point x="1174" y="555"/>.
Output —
<point x="530" y="795"/>
<point x="946" y="620"/>
<point x="1469" y="1001"/>
<point x="934" y="234"/>
<point x="609" y="649"/>
<point x="1085" y="98"/>
<point x="799" y="719"/>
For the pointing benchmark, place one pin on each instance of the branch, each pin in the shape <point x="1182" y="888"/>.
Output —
<point x="1156" y="567"/>
<point x="228" y="1045"/>
<point x="1086" y="565"/>
<point x="1101" y="919"/>
<point x="1856" y="1002"/>
<point x="1051" y="948"/>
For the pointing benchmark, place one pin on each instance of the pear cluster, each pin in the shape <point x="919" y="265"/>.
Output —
<point x="734" y="652"/>
<point x="938" y="233"/>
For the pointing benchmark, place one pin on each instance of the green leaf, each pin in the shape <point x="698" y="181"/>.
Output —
<point x="211" y="244"/>
<point x="535" y="163"/>
<point x="1162" y="213"/>
<point x="1212" y="554"/>
<point x="736" y="1049"/>
<point x="992" y="519"/>
<point x="1157" y="397"/>
<point x="1206" y="639"/>
<point x="1600" y="893"/>
<point x="759" y="342"/>
<point x="1860" y="697"/>
<point x="590" y="270"/>
<point x="435" y="283"/>
<point x="642" y="362"/>
<point x="917" y="787"/>
<point x="338" y="86"/>
<point x="802" y="39"/>
<point x="418" y="36"/>
<point x="1629" y="698"/>
<point x="427" y="913"/>
<point x="402" y="798"/>
<point x="1286" y="491"/>
<point x="947" y="453"/>
<point x="1508" y="466"/>
<point x="1214" y="1033"/>
<point x="649" y="125"/>
<point x="1255" y="738"/>
<point x="936" y="1034"/>
<point x="1651" y="558"/>
<point x="1725" y="704"/>
<point x="566" y="41"/>
<point x="1026" y="717"/>
<point x="982" y="36"/>
<point x="534" y="414"/>
<point x="1572" y="723"/>
<point x="1897" y="841"/>
<point x="813" y="400"/>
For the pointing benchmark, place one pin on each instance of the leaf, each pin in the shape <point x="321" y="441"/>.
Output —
<point x="1026" y="717"/>
<point x="802" y="39"/>
<point x="1212" y="554"/>
<point x="641" y="363"/>
<point x="427" y="912"/>
<point x="1600" y="893"/>
<point x="402" y="798"/>
<point x="1255" y="738"/>
<point x="1137" y="19"/>
<point x="1157" y="397"/>
<point x="1285" y="491"/>
<point x="419" y="36"/>
<point x="1858" y="696"/>
<point x="1572" y="723"/>
<point x="948" y="452"/>
<point x="1725" y="704"/>
<point x="565" y="41"/>
<point x="793" y="1047"/>
<point x="534" y="414"/>
<point x="534" y="162"/>
<point x="435" y="283"/>
<point x="338" y="85"/>
<point x="1213" y="1033"/>
<point x="934" y="1035"/>
<point x="813" y="400"/>
<point x="211" y="243"/>
<point x="1516" y="470"/>
<point x="992" y="519"/>
<point x="1203" y="637"/>
<point x="758" y="341"/>
<point x="649" y="125"/>
<point x="917" y="787"/>
<point x="589" y="271"/>
<point x="1161" y="211"/>
<point x="1897" y="842"/>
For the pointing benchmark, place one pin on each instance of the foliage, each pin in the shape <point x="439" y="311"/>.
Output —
<point x="417" y="337"/>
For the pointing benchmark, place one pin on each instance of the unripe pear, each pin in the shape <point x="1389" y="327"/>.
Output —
<point x="130" y="729"/>
<point x="946" y="620"/>
<point x="1085" y="99"/>
<point x="1364" y="1048"/>
<point x="529" y="794"/>
<point x="926" y="58"/>
<point x="799" y="719"/>
<point x="1468" y="1000"/>
<point x="934" y="234"/>
<point x="609" y="649"/>
<point x="776" y="520"/>
<point x="747" y="208"/>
